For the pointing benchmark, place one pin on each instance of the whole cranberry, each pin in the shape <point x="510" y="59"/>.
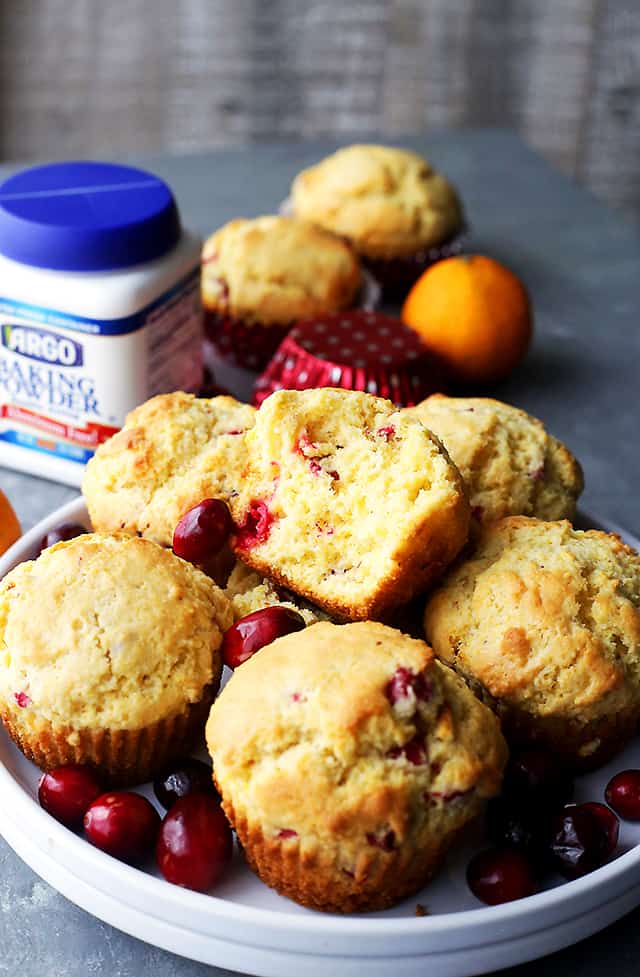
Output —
<point x="202" y="531"/>
<point x="579" y="842"/>
<point x="253" y="632"/>
<point x="511" y="825"/>
<point x="608" y="821"/>
<point x="537" y="778"/>
<point x="66" y="792"/>
<point x="500" y="875"/>
<point x="182" y="777"/>
<point x="195" y="843"/>
<point x="623" y="794"/>
<point x="61" y="533"/>
<point x="123" y="824"/>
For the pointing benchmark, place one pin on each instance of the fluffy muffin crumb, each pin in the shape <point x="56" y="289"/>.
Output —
<point x="346" y="501"/>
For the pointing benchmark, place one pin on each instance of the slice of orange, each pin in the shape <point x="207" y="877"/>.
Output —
<point x="10" y="529"/>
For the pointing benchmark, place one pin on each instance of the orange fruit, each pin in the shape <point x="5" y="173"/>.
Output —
<point x="10" y="529"/>
<point x="474" y="314"/>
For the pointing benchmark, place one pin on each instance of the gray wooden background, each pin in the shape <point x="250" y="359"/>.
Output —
<point x="109" y="77"/>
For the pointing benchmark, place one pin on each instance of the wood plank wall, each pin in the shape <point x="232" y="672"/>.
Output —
<point x="92" y="77"/>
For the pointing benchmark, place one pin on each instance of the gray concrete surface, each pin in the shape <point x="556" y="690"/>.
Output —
<point x="582" y="266"/>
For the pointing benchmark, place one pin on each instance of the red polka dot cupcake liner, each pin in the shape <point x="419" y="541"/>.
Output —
<point x="355" y="350"/>
<point x="248" y="345"/>
<point x="396" y="276"/>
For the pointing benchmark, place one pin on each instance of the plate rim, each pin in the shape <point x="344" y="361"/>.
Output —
<point x="478" y="922"/>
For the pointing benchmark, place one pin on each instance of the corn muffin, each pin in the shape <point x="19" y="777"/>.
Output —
<point x="510" y="464"/>
<point x="109" y="653"/>
<point x="397" y="211"/>
<point x="347" y="501"/>
<point x="543" y="621"/>
<point x="174" y="451"/>
<point x="259" y="276"/>
<point x="348" y="761"/>
<point x="247" y="592"/>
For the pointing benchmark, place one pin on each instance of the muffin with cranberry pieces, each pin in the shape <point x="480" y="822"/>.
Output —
<point x="109" y="654"/>
<point x="347" y="501"/>
<point x="260" y="276"/>
<point x="174" y="451"/>
<point x="397" y="211"/>
<point x="348" y="761"/>
<point x="543" y="621"/>
<point x="510" y="464"/>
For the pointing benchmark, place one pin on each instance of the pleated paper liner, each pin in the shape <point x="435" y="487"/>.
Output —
<point x="355" y="350"/>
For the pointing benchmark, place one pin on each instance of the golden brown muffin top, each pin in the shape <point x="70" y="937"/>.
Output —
<point x="347" y="501"/>
<point x="510" y="464"/>
<point x="108" y="631"/>
<point x="546" y="617"/>
<point x="275" y="270"/>
<point x="173" y="451"/>
<point x="388" y="202"/>
<point x="351" y="731"/>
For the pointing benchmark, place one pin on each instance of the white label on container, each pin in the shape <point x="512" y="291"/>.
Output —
<point x="67" y="382"/>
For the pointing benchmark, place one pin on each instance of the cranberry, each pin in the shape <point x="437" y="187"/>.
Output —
<point x="255" y="528"/>
<point x="623" y="794"/>
<point x="608" y="822"/>
<point x="67" y="792"/>
<point x="202" y="531"/>
<point x="525" y="829"/>
<point x="61" y="533"/>
<point x="253" y="632"/>
<point x="405" y="683"/>
<point x="194" y="843"/>
<point x="182" y="777"/>
<point x="123" y="824"/>
<point x="535" y="777"/>
<point x="414" y="751"/>
<point x="579" y="842"/>
<point x="500" y="875"/>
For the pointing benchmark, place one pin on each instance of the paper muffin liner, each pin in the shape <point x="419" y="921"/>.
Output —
<point x="315" y="876"/>
<point x="396" y="276"/>
<point x="355" y="350"/>
<point x="124" y="757"/>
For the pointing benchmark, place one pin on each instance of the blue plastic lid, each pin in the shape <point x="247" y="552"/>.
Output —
<point x="86" y="216"/>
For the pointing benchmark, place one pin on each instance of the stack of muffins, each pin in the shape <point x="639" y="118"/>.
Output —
<point x="348" y="755"/>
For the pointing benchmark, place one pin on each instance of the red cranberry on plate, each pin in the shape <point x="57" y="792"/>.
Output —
<point x="623" y="794"/>
<point x="202" y="531"/>
<point x="195" y="843"/>
<point x="579" y="841"/>
<point x="500" y="875"/>
<point x="253" y="632"/>
<point x="537" y="778"/>
<point x="123" y="824"/>
<point x="184" y="776"/>
<point x="608" y="821"/>
<point x="66" y="792"/>
<point x="62" y="533"/>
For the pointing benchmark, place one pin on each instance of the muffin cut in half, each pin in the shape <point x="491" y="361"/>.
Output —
<point x="347" y="501"/>
<point x="174" y="451"/>
<point x="543" y="621"/>
<point x="348" y="760"/>
<point x="109" y="655"/>
<point x="510" y="464"/>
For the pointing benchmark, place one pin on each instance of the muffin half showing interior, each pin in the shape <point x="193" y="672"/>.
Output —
<point x="109" y="655"/>
<point x="347" y="501"/>
<point x="348" y="761"/>
<point x="397" y="211"/>
<point x="543" y="621"/>
<point x="510" y="465"/>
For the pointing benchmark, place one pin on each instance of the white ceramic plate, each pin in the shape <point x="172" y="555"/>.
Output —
<point x="245" y="926"/>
